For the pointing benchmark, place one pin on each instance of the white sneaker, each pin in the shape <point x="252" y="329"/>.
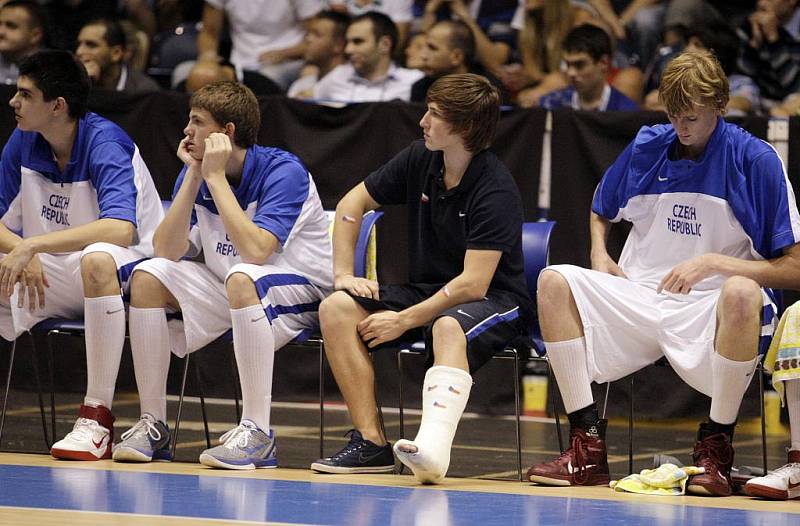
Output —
<point x="781" y="484"/>
<point x="89" y="439"/>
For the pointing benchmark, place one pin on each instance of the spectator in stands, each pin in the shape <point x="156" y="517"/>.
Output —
<point x="587" y="55"/>
<point x="267" y="35"/>
<point x="255" y="215"/>
<point x="413" y="51"/>
<point x="467" y="295"/>
<point x="714" y="224"/>
<point x="101" y="48"/>
<point x="490" y="22"/>
<point x="449" y="49"/>
<point x="635" y="24"/>
<point x="370" y="74"/>
<point x="721" y="39"/>
<point x="78" y="210"/>
<point x="69" y="16"/>
<point x="208" y="72"/>
<point x="398" y="10"/>
<point x="324" y="50"/>
<point x="23" y="31"/>
<point x="770" y="41"/>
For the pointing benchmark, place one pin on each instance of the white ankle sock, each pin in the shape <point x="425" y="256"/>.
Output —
<point x="728" y="384"/>
<point x="792" y="393"/>
<point x="105" y="336"/>
<point x="150" y="349"/>
<point x="568" y="361"/>
<point x="444" y="396"/>
<point x="254" y="346"/>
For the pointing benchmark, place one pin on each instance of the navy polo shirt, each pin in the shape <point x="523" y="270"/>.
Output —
<point x="483" y="212"/>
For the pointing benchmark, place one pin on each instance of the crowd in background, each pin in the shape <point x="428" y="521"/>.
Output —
<point x="539" y="52"/>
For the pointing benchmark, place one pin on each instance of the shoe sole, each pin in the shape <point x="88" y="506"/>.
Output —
<point x="213" y="462"/>
<point x="323" y="468"/>
<point x="129" y="454"/>
<point x="68" y="454"/>
<point x="547" y="481"/>
<point x="696" y="489"/>
<point x="766" y="492"/>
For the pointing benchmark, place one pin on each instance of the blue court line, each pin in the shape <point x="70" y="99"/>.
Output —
<point x="234" y="498"/>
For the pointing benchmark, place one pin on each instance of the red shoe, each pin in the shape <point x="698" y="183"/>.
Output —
<point x="90" y="439"/>
<point x="584" y="463"/>
<point x="715" y="454"/>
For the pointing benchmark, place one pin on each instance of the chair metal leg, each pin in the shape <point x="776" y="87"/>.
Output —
<point x="551" y="382"/>
<point x="203" y="405"/>
<point x="180" y="406"/>
<point x="400" y="402"/>
<point x="605" y="400"/>
<point x="760" y="372"/>
<point x="321" y="400"/>
<point x="38" y="378"/>
<point x="237" y="395"/>
<point x="51" y="361"/>
<point x="630" y="428"/>
<point x="517" y="413"/>
<point x="8" y="386"/>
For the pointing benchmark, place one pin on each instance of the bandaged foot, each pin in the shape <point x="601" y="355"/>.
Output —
<point x="444" y="396"/>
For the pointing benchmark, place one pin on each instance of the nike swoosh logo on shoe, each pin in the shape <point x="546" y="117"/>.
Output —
<point x="98" y="445"/>
<point x="368" y="458"/>
<point x="572" y="470"/>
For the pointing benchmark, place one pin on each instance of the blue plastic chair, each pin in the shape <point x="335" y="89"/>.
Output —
<point x="536" y="253"/>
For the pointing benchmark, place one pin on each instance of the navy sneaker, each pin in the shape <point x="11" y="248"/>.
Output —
<point x="147" y="440"/>
<point x="358" y="456"/>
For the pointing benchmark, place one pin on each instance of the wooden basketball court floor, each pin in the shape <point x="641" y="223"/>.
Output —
<point x="36" y="489"/>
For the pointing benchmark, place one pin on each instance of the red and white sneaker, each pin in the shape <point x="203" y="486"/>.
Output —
<point x="584" y="463"/>
<point x="781" y="484"/>
<point x="90" y="439"/>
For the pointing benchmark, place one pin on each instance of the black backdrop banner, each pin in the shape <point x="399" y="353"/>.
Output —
<point x="341" y="146"/>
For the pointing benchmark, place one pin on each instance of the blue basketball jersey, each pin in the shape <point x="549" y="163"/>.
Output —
<point x="734" y="200"/>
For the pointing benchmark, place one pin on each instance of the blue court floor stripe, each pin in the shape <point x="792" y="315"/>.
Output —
<point x="292" y="502"/>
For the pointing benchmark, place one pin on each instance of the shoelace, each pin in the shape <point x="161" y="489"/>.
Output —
<point x="787" y="469"/>
<point x="238" y="437"/>
<point x="142" y="427"/>
<point x="576" y="452"/>
<point x="714" y="449"/>
<point x="354" y="445"/>
<point x="83" y="428"/>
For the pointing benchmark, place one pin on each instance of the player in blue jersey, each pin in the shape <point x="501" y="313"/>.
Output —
<point x="714" y="224"/>
<point x="255" y="215"/>
<point x="78" y="209"/>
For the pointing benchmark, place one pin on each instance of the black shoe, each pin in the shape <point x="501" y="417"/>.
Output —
<point x="358" y="456"/>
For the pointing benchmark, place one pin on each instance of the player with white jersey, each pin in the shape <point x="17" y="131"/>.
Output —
<point x="714" y="224"/>
<point x="255" y="215"/>
<point x="78" y="209"/>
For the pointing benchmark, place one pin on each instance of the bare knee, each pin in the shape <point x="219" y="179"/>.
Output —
<point x="241" y="291"/>
<point x="147" y="292"/>
<point x="740" y="302"/>
<point x="99" y="275"/>
<point x="447" y="329"/>
<point x="552" y="290"/>
<point x="338" y="310"/>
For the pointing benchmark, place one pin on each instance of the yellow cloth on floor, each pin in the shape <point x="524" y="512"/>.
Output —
<point x="667" y="479"/>
<point x="783" y="356"/>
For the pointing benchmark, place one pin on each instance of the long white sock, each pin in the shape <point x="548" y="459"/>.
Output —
<point x="568" y="361"/>
<point x="105" y="336"/>
<point x="728" y="384"/>
<point x="150" y="349"/>
<point x="445" y="392"/>
<point x="792" y="392"/>
<point x="254" y="346"/>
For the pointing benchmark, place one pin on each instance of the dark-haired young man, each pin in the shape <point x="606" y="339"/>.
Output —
<point x="255" y="214"/>
<point x="370" y="74"/>
<point x="467" y="295"/>
<point x="23" y="31"/>
<point x="587" y="54"/>
<point x="78" y="209"/>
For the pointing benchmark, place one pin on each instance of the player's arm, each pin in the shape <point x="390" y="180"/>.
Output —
<point x="599" y="227"/>
<point x="346" y="227"/>
<point x="782" y="272"/>
<point x="471" y="285"/>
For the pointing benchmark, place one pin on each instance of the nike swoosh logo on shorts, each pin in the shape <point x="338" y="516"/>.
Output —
<point x="113" y="311"/>
<point x="465" y="314"/>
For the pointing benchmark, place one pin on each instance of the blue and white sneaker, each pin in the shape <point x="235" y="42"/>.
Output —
<point x="243" y="447"/>
<point x="147" y="440"/>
